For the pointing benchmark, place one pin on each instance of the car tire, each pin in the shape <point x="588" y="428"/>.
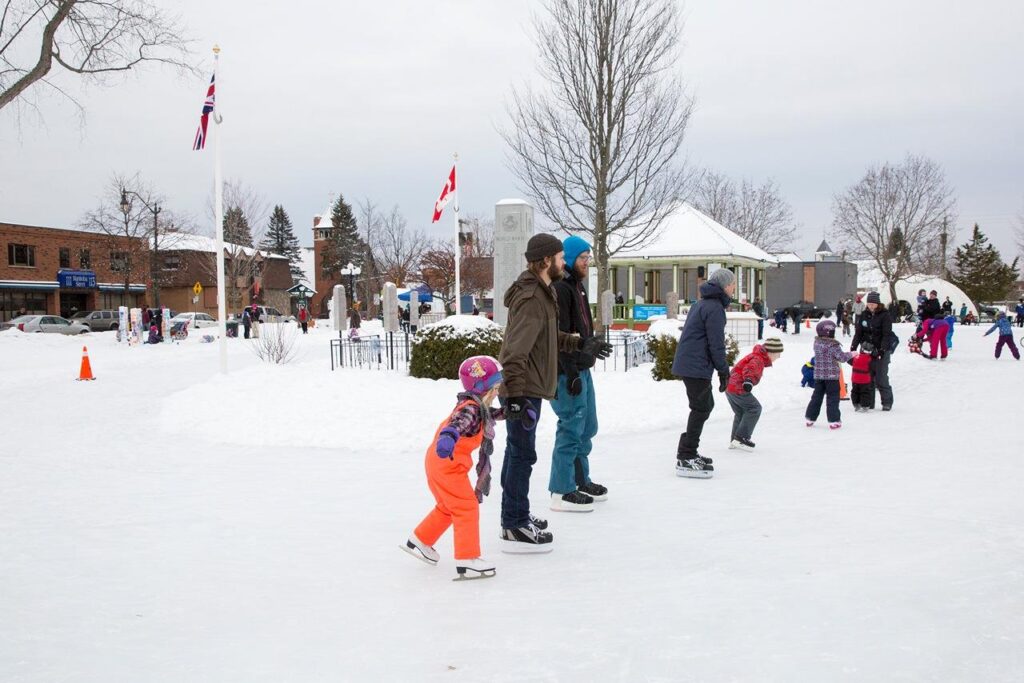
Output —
<point x="114" y="327"/>
<point x="84" y="332"/>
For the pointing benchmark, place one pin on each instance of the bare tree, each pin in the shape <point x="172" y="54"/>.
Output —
<point x="140" y="229"/>
<point x="398" y="250"/>
<point x="757" y="214"/>
<point x="91" y="38"/>
<point x="246" y="212"/>
<point x="911" y="199"/>
<point x="1019" y="232"/>
<point x="370" y="217"/>
<point x="598" y="149"/>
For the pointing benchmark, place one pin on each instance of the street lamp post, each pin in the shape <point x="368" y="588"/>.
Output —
<point x="155" y="209"/>
<point x="351" y="270"/>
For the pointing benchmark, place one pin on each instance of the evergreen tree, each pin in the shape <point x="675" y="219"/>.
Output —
<point x="344" y="245"/>
<point x="280" y="239"/>
<point x="236" y="227"/>
<point x="981" y="272"/>
<point x="896" y="244"/>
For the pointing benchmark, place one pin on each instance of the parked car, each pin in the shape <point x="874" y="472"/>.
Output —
<point x="97" y="321"/>
<point x="269" y="314"/>
<point x="809" y="310"/>
<point x="45" y="323"/>
<point x="195" y="320"/>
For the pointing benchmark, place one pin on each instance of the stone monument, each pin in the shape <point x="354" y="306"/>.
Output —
<point x="414" y="310"/>
<point x="607" y="308"/>
<point x="390" y="307"/>
<point x="672" y="301"/>
<point x="513" y="228"/>
<point x="339" y="309"/>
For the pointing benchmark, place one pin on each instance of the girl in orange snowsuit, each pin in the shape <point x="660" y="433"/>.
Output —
<point x="448" y="460"/>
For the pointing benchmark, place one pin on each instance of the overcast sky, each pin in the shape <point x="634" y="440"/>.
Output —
<point x="371" y="99"/>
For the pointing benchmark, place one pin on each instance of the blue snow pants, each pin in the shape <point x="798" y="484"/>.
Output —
<point x="577" y="426"/>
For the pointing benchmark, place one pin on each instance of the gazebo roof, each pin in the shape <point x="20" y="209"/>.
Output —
<point x="689" y="233"/>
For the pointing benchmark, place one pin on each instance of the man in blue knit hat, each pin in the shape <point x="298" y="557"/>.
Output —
<point x="570" y="484"/>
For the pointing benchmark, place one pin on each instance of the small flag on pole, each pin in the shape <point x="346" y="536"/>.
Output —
<point x="446" y="196"/>
<point x="204" y="118"/>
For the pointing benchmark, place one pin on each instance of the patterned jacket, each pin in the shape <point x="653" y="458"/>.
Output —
<point x="828" y="354"/>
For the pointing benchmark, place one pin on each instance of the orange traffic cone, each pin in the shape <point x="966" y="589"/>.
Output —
<point x="808" y="325"/>
<point x="86" y="372"/>
<point x="842" y="386"/>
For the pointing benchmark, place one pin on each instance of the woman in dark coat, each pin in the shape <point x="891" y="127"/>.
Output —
<point x="875" y="325"/>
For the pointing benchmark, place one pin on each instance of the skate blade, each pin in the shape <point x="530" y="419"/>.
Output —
<point x="520" y="548"/>
<point x="573" y="508"/>
<point x="694" y="474"/>
<point x="475" y="576"/>
<point x="418" y="555"/>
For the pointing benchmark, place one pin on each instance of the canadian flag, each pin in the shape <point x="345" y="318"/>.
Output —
<point x="446" y="196"/>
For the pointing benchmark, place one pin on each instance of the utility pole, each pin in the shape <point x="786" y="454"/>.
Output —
<point x="943" y="238"/>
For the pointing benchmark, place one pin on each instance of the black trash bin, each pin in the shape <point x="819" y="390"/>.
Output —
<point x="232" y="328"/>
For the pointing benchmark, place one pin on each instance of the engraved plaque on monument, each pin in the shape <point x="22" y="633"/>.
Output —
<point x="513" y="228"/>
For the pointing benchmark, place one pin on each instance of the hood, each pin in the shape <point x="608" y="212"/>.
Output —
<point x="709" y="290"/>
<point x="524" y="288"/>
<point x="763" y="355"/>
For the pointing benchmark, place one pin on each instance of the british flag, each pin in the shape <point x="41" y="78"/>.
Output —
<point x="204" y="119"/>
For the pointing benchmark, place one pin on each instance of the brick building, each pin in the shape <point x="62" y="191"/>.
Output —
<point x="323" y="283"/>
<point x="58" y="272"/>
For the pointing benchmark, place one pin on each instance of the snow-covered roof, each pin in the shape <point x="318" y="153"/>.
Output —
<point x="209" y="245"/>
<point x="307" y="265"/>
<point x="869" y="278"/>
<point x="788" y="257"/>
<point x="504" y="202"/>
<point x="324" y="218"/>
<point x="689" y="232"/>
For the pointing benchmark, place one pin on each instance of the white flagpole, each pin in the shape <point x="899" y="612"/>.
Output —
<point x="458" y="245"/>
<point x="218" y="217"/>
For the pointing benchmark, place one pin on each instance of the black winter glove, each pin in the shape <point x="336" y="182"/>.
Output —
<point x="596" y="347"/>
<point x="574" y="384"/>
<point x="520" y="409"/>
<point x="748" y="386"/>
<point x="723" y="381"/>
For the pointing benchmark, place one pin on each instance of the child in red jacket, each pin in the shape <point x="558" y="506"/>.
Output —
<point x="448" y="461"/>
<point x="863" y="394"/>
<point x="742" y="379"/>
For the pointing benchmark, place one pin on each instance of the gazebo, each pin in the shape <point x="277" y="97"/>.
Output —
<point x="689" y="247"/>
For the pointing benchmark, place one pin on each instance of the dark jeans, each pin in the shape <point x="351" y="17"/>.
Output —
<point x="520" y="456"/>
<point x="702" y="402"/>
<point x="881" y="377"/>
<point x="863" y="395"/>
<point x="827" y="389"/>
<point x="760" y="328"/>
<point x="305" y="327"/>
<point x="746" y="412"/>
<point x="247" y="328"/>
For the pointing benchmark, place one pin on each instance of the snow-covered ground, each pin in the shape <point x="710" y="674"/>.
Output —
<point x="166" y="523"/>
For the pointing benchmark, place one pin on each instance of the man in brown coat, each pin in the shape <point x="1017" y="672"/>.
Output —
<point x="529" y="358"/>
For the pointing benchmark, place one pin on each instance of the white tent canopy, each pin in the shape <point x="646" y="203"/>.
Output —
<point x="870" y="279"/>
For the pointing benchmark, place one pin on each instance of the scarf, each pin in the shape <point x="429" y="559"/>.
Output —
<point x="483" y="463"/>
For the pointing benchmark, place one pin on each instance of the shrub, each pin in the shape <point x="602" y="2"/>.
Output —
<point x="664" y="339"/>
<point x="439" y="349"/>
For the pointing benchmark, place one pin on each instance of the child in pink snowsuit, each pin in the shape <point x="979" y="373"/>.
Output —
<point x="937" y="331"/>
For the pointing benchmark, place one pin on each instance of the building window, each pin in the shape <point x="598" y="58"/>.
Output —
<point x="84" y="261"/>
<point x="172" y="262"/>
<point x="21" y="255"/>
<point x="65" y="257"/>
<point x="14" y="303"/>
<point x="119" y="261"/>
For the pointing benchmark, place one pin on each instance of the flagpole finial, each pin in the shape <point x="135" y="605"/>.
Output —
<point x="216" y="49"/>
<point x="456" y="155"/>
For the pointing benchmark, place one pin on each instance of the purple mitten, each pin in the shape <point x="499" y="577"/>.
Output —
<point x="530" y="418"/>
<point x="446" y="442"/>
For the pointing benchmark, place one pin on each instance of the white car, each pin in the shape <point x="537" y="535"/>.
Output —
<point x="45" y="323"/>
<point x="195" y="320"/>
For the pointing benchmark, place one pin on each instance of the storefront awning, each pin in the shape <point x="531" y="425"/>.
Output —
<point x="28" y="284"/>
<point x="111" y="287"/>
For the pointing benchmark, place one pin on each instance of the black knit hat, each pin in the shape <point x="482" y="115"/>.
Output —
<point x="541" y="246"/>
<point x="874" y="298"/>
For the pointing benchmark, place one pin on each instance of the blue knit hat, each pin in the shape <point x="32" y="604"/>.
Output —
<point x="574" y="246"/>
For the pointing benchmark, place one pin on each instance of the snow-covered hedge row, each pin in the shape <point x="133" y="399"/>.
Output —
<point x="438" y="349"/>
<point x="664" y="339"/>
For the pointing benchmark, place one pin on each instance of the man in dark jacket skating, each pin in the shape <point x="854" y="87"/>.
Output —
<point x="529" y="358"/>
<point x="875" y="325"/>
<point x="574" y="403"/>
<point x="699" y="355"/>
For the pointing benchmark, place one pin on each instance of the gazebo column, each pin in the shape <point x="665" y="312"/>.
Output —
<point x="630" y="283"/>
<point x="675" y="278"/>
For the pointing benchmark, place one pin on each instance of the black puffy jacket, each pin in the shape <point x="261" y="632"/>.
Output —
<point x="875" y="328"/>
<point x="573" y="317"/>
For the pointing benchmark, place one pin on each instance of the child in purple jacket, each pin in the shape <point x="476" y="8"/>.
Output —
<point x="828" y="354"/>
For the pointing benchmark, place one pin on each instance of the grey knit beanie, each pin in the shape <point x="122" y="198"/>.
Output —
<point x="722" y="277"/>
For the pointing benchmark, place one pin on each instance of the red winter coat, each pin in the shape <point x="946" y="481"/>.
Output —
<point x="302" y="315"/>
<point x="862" y="368"/>
<point x="750" y="368"/>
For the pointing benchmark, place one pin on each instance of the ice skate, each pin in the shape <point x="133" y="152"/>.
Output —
<point x="809" y="423"/>
<point x="541" y="524"/>
<point x="572" y="502"/>
<point x="526" y="539"/>
<point x="596" y="491"/>
<point x="420" y="551"/>
<point x="694" y="468"/>
<point x="742" y="444"/>
<point x="470" y="570"/>
<point x="835" y="425"/>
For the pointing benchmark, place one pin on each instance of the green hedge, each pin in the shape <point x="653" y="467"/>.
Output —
<point x="663" y="349"/>
<point x="438" y="350"/>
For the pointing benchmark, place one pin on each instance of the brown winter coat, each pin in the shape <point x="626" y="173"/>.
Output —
<point x="529" y="352"/>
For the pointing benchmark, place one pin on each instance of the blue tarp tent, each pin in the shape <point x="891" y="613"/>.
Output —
<point x="423" y="292"/>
